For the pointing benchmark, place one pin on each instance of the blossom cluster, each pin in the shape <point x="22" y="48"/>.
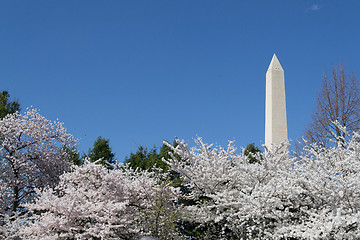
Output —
<point x="93" y="202"/>
<point x="31" y="156"/>
<point x="312" y="196"/>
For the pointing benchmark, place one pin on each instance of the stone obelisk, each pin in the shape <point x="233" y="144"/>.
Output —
<point x="275" y="113"/>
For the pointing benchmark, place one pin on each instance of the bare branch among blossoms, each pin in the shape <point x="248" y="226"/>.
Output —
<point x="337" y="101"/>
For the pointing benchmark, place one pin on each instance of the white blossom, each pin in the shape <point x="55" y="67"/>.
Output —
<point x="92" y="202"/>
<point x="313" y="196"/>
<point x="31" y="157"/>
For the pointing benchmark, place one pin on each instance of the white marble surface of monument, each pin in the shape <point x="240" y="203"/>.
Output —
<point x="275" y="113"/>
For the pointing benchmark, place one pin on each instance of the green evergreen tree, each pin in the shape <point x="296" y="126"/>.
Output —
<point x="144" y="159"/>
<point x="74" y="156"/>
<point x="250" y="151"/>
<point x="147" y="160"/>
<point x="102" y="151"/>
<point x="7" y="106"/>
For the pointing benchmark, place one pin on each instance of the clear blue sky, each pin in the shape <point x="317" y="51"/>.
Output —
<point x="139" y="72"/>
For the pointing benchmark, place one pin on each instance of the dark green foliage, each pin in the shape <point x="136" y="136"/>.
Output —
<point x="102" y="151"/>
<point x="6" y="106"/>
<point x="73" y="156"/>
<point x="150" y="160"/>
<point x="250" y="151"/>
<point x="145" y="159"/>
<point x="165" y="150"/>
<point x="209" y="230"/>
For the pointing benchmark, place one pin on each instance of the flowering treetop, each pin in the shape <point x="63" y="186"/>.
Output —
<point x="312" y="196"/>
<point x="93" y="202"/>
<point x="31" y="156"/>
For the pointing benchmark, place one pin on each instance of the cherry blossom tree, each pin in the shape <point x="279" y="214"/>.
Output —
<point x="31" y="157"/>
<point x="162" y="218"/>
<point x="228" y="190"/>
<point x="93" y="202"/>
<point x="313" y="196"/>
<point x="329" y="180"/>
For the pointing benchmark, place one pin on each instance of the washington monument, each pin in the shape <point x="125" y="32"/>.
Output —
<point x="275" y="112"/>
